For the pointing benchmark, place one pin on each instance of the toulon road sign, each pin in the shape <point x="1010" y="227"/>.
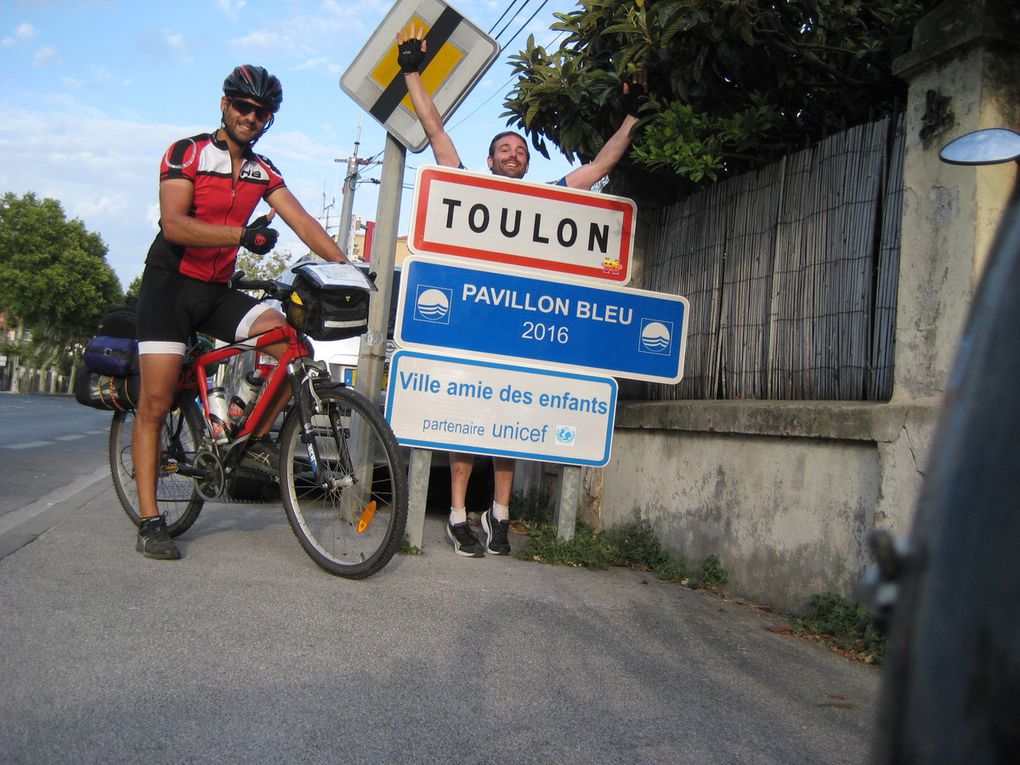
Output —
<point x="526" y="315"/>
<point x="467" y="405"/>
<point x="457" y="55"/>
<point x="519" y="223"/>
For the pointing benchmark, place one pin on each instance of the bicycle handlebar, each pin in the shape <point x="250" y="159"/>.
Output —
<point x="271" y="287"/>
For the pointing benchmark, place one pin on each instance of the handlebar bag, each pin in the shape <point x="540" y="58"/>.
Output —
<point x="330" y="301"/>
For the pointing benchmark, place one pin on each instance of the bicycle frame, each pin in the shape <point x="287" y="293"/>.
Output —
<point x="195" y="378"/>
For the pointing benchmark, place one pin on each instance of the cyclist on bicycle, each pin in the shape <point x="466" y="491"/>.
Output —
<point x="209" y="187"/>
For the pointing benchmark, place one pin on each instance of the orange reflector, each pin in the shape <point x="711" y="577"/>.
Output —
<point x="366" y="517"/>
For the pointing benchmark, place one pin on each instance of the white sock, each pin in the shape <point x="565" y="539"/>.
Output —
<point x="500" y="512"/>
<point x="458" y="515"/>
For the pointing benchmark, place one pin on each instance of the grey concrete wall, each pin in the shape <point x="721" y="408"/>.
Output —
<point x="786" y="492"/>
<point x="963" y="74"/>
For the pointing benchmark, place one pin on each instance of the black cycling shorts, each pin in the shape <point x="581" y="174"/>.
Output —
<point x="172" y="307"/>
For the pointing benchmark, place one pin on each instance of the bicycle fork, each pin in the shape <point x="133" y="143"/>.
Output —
<point x="345" y="474"/>
<point x="309" y="404"/>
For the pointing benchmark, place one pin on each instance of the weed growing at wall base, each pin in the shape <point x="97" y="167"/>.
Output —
<point x="406" y="548"/>
<point x="586" y="550"/>
<point x="633" y="545"/>
<point x="843" y="625"/>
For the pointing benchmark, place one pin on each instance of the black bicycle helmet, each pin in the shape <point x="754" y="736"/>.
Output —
<point x="254" y="82"/>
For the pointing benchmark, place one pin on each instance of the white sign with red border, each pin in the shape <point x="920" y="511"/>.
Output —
<point x="519" y="223"/>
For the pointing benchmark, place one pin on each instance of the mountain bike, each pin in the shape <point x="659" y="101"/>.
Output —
<point x="342" y="479"/>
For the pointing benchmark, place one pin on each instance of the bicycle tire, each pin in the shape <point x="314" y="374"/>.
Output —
<point x="351" y="434"/>
<point x="176" y="496"/>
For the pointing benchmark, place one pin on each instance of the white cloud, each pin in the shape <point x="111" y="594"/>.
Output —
<point x="101" y="170"/>
<point x="104" y="206"/>
<point x="269" y="41"/>
<point x="165" y="45"/>
<point x="21" y="32"/>
<point x="312" y="63"/>
<point x="152" y="216"/>
<point x="45" y="56"/>
<point x="231" y="7"/>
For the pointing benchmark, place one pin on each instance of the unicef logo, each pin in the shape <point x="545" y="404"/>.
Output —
<point x="433" y="304"/>
<point x="566" y="435"/>
<point x="656" y="336"/>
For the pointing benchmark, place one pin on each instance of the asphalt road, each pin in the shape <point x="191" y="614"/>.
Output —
<point x="47" y="443"/>
<point x="245" y="652"/>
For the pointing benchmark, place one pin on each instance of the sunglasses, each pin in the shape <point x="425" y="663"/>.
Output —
<point x="244" y="108"/>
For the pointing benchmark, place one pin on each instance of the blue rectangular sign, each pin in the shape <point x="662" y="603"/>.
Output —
<point x="510" y="315"/>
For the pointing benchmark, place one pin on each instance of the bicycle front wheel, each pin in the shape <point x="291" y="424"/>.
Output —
<point x="349" y="510"/>
<point x="176" y="496"/>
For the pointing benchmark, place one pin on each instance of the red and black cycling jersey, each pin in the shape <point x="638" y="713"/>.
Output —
<point x="217" y="199"/>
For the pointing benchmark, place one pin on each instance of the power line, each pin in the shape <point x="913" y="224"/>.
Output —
<point x="525" y="24"/>
<point x="512" y="18"/>
<point x="496" y="22"/>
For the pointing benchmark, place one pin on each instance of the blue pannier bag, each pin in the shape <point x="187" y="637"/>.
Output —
<point x="114" y="356"/>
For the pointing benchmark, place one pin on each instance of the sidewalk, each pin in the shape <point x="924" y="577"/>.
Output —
<point x="245" y="651"/>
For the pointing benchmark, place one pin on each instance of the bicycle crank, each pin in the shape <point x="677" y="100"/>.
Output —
<point x="208" y="474"/>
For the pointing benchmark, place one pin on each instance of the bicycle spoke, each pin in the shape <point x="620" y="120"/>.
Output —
<point x="350" y="517"/>
<point x="176" y="495"/>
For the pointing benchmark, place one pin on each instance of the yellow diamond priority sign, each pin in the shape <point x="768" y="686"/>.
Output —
<point x="458" y="54"/>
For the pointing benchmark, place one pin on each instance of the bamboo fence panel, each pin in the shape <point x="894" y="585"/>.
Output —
<point x="790" y="272"/>
<point x="880" y="382"/>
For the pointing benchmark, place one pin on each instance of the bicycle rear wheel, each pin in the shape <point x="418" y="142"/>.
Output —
<point x="350" y="510"/>
<point x="176" y="496"/>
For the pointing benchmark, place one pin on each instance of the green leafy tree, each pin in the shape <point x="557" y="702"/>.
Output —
<point x="134" y="288"/>
<point x="54" y="278"/>
<point x="733" y="83"/>
<point x="267" y="266"/>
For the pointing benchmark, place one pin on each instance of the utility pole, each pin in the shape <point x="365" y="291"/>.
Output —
<point x="343" y="234"/>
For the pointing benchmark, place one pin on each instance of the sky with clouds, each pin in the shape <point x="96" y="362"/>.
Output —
<point x="94" y="91"/>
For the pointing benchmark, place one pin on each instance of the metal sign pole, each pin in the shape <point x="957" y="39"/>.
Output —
<point x="567" y="501"/>
<point x="459" y="53"/>
<point x="384" y="251"/>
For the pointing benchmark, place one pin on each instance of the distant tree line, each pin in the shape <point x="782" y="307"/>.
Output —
<point x="54" y="279"/>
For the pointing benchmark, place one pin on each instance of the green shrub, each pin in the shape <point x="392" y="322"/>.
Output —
<point x="672" y="571"/>
<point x="633" y="545"/>
<point x="843" y="624"/>
<point x="587" y="549"/>
<point x="709" y="573"/>
<point x="406" y="548"/>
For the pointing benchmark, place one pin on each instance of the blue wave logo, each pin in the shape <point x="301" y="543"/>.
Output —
<point x="656" y="336"/>
<point x="433" y="304"/>
<point x="566" y="435"/>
